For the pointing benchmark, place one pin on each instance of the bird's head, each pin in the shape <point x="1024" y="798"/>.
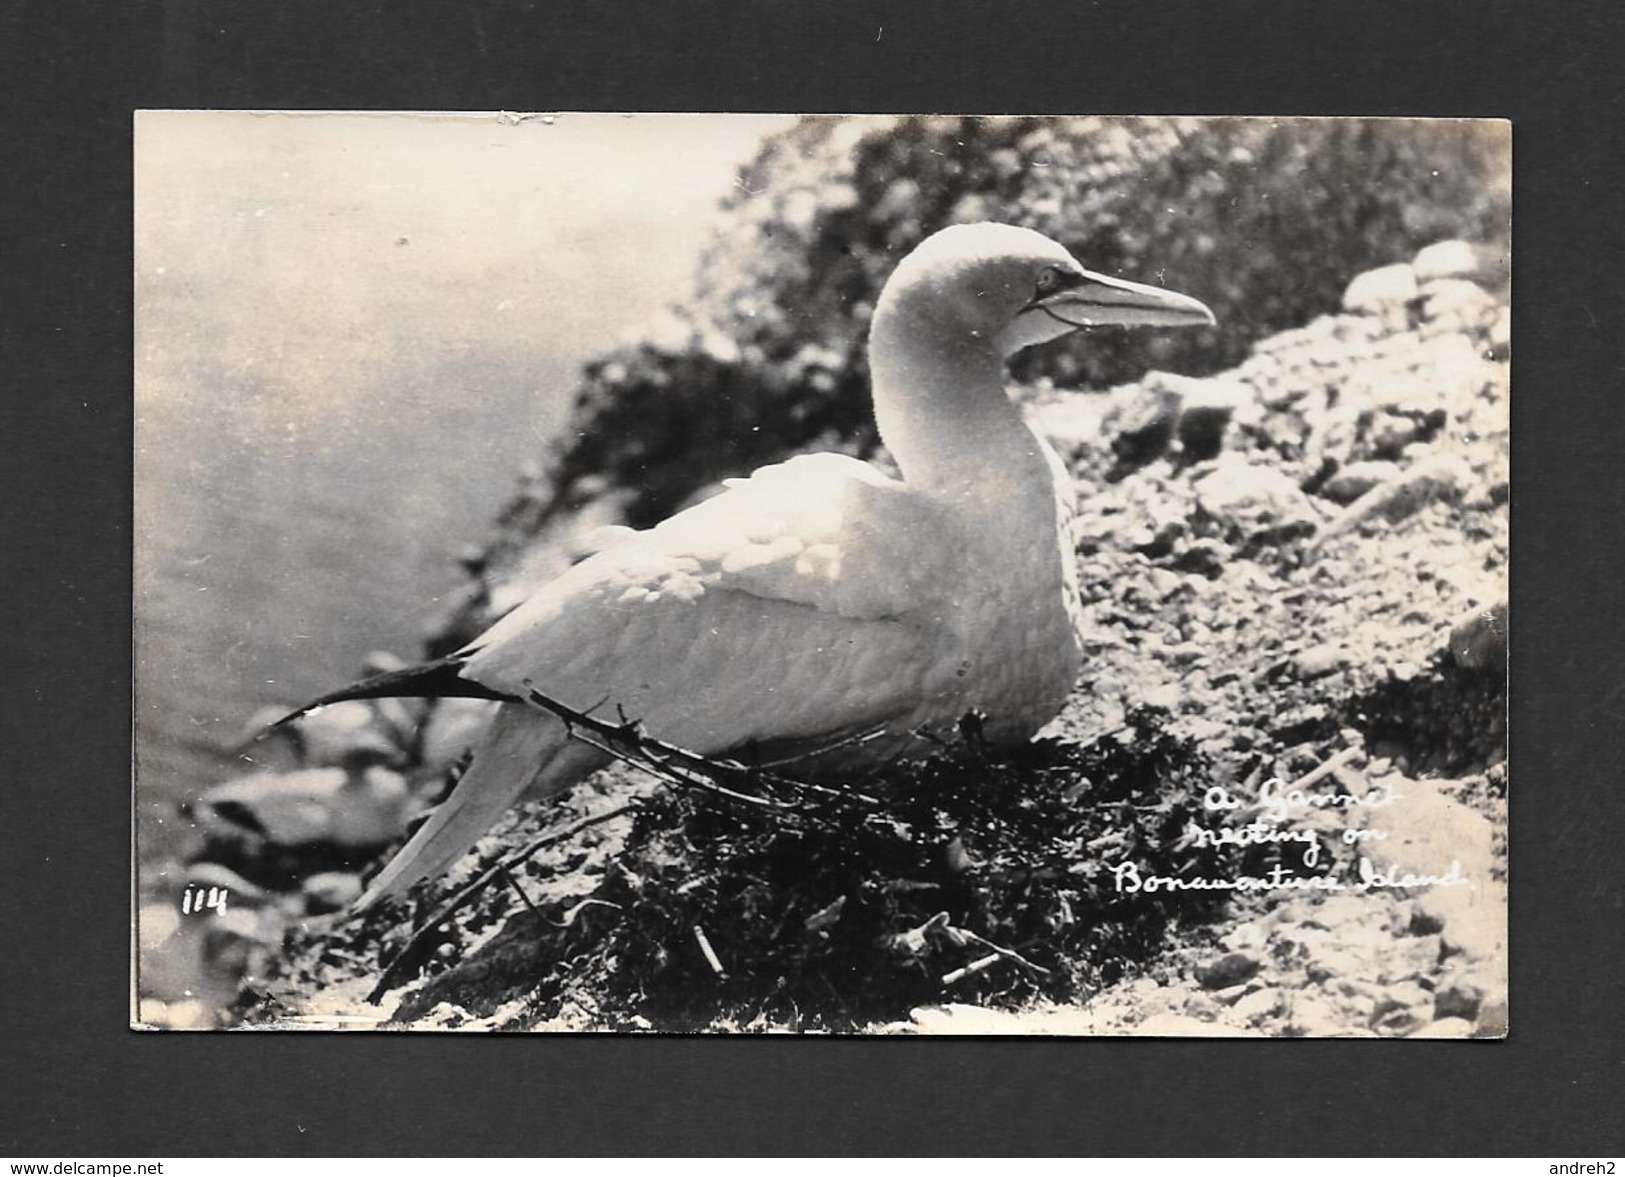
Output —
<point x="1016" y="288"/>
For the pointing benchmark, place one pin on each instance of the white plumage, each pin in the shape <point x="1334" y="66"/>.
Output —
<point x="819" y="598"/>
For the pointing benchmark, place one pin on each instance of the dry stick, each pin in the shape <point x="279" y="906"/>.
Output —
<point x="415" y="946"/>
<point x="1326" y="768"/>
<point x="626" y="742"/>
<point x="513" y="881"/>
<point x="710" y="954"/>
<point x="1001" y="951"/>
<point x="973" y="968"/>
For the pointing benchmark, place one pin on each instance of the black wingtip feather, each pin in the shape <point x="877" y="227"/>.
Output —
<point x="433" y="680"/>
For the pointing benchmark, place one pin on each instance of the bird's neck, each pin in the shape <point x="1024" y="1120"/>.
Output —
<point x="942" y="411"/>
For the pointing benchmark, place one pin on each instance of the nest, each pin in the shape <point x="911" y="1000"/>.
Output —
<point x="979" y="875"/>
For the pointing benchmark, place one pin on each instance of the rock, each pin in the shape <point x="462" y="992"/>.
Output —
<point x="1479" y="641"/>
<point x="1203" y="557"/>
<point x="1233" y="968"/>
<point x="1071" y="423"/>
<point x="1377" y="290"/>
<point x="1202" y="1007"/>
<point x="1390" y="433"/>
<point x="1312" y="1016"/>
<point x="1458" y="995"/>
<point x="1254" y="499"/>
<point x="1143" y="424"/>
<point x="1203" y="409"/>
<point x="1501" y="334"/>
<point x="330" y="891"/>
<point x="1424" y="921"/>
<point x="1250" y="937"/>
<point x="320" y="805"/>
<point x="1471" y="919"/>
<point x="1343" y="911"/>
<point x="1295" y="725"/>
<point x="1426" y="831"/>
<point x="1456" y="297"/>
<point x="1402" y="1008"/>
<point x="1259" y="1005"/>
<point x="339" y="732"/>
<point x="1356" y="479"/>
<point x="1446" y="259"/>
<point x="1443" y="1028"/>
<point x="1442" y="478"/>
<point x="1319" y="661"/>
<point x="1166" y="696"/>
<point x="1336" y="965"/>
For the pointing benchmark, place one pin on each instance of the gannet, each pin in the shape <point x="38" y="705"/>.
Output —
<point x="819" y="597"/>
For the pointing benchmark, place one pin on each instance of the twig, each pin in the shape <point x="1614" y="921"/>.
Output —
<point x="513" y="881"/>
<point x="1001" y="951"/>
<point x="710" y="955"/>
<point x="416" y="947"/>
<point x="627" y="742"/>
<point x="1326" y="768"/>
<point x="973" y="968"/>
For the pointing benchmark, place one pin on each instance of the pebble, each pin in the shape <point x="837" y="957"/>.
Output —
<point x="1455" y="296"/>
<point x="1233" y="968"/>
<point x="1501" y="334"/>
<point x="1259" y="1005"/>
<point x="1402" y="1008"/>
<point x="1311" y="1015"/>
<point x="1254" y="498"/>
<point x="1357" y="478"/>
<point x="1339" y="911"/>
<point x="1144" y="422"/>
<point x="1319" y="661"/>
<point x="1458" y="995"/>
<point x="331" y="891"/>
<point x="1390" y="433"/>
<point x="1167" y="696"/>
<point x="1244" y="938"/>
<point x="1205" y="409"/>
<point x="1479" y="641"/>
<point x="1446" y="259"/>
<point x="318" y="805"/>
<point x="1377" y="290"/>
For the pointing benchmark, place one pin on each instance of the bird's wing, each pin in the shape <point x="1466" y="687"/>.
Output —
<point x="803" y="601"/>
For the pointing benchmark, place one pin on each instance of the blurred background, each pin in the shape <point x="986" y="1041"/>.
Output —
<point x="352" y="331"/>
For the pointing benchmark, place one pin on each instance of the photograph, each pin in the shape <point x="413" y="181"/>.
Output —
<point x="884" y="575"/>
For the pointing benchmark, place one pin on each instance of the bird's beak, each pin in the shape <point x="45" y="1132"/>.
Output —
<point x="1094" y="300"/>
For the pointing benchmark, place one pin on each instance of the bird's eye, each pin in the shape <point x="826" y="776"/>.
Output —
<point x="1049" y="280"/>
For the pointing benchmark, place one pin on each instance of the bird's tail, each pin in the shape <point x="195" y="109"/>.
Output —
<point x="523" y="748"/>
<point x="433" y="680"/>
